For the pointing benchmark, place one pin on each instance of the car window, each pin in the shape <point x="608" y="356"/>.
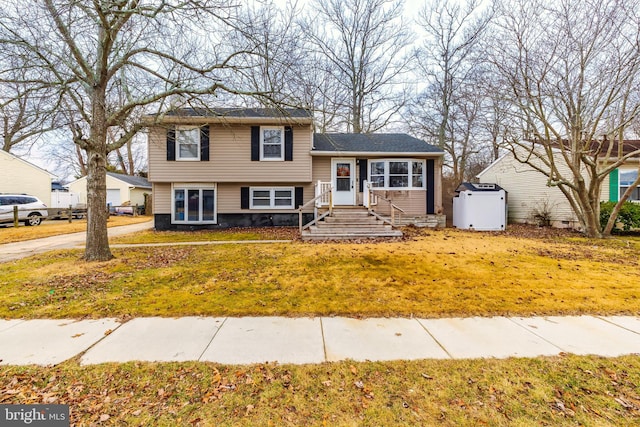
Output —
<point x="30" y="200"/>
<point x="3" y="201"/>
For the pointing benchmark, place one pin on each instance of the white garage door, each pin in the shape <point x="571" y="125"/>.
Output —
<point x="113" y="197"/>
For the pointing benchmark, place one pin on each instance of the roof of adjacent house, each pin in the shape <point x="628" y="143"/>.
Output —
<point x="136" y="181"/>
<point x="371" y="143"/>
<point x="601" y="146"/>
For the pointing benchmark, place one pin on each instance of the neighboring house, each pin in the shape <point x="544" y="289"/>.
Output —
<point x="256" y="167"/>
<point x="530" y="196"/>
<point x="18" y="176"/>
<point x="121" y="189"/>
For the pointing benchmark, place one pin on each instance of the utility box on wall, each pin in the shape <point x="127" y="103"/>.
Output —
<point x="481" y="207"/>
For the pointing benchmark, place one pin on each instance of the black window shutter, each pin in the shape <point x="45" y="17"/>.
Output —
<point x="244" y="197"/>
<point x="299" y="197"/>
<point x="431" y="197"/>
<point x="255" y="143"/>
<point x="288" y="143"/>
<point x="204" y="143"/>
<point x="363" y="173"/>
<point x="171" y="144"/>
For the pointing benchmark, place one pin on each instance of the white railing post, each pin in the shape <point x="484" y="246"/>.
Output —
<point x="365" y="194"/>
<point x="318" y="186"/>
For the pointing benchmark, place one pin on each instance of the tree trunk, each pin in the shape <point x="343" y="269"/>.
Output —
<point x="97" y="248"/>
<point x="592" y="224"/>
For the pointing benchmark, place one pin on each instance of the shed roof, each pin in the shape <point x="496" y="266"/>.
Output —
<point x="481" y="187"/>
<point x="371" y="143"/>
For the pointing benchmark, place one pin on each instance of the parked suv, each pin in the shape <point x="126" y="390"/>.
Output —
<point x="31" y="210"/>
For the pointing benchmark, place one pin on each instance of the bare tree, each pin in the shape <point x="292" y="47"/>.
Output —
<point x="449" y="110"/>
<point x="358" y="47"/>
<point x="570" y="71"/>
<point x="26" y="113"/>
<point x="112" y="61"/>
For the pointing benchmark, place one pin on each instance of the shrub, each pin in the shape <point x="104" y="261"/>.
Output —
<point x="629" y="216"/>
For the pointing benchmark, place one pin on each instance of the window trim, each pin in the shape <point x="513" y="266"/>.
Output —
<point x="410" y="175"/>
<point x="272" y="198"/>
<point x="282" y="144"/>
<point x="198" y="143"/>
<point x="194" y="186"/>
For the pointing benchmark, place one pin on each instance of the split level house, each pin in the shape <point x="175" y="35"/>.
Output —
<point x="530" y="195"/>
<point x="266" y="167"/>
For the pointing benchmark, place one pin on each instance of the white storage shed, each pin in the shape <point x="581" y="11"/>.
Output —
<point x="481" y="207"/>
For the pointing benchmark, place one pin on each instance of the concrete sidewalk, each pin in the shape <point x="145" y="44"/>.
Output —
<point x="248" y="340"/>
<point x="18" y="250"/>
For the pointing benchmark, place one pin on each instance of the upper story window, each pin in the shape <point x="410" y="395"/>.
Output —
<point x="271" y="143"/>
<point x="397" y="174"/>
<point x="187" y="143"/>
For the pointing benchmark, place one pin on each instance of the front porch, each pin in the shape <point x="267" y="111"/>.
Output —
<point x="377" y="217"/>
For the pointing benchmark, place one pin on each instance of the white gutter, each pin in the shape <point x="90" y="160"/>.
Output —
<point x="376" y="153"/>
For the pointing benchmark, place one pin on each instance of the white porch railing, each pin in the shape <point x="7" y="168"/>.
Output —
<point x="324" y="190"/>
<point x="368" y="196"/>
<point x="370" y="199"/>
<point x="323" y="197"/>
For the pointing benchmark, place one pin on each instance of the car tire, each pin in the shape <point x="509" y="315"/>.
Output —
<point x="33" y="219"/>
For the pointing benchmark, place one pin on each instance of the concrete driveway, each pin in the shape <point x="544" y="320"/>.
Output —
<point x="18" y="250"/>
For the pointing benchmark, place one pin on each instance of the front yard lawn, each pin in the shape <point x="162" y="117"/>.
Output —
<point x="431" y="274"/>
<point x="440" y="273"/>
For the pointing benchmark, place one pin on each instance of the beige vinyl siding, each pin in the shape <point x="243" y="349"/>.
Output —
<point x="322" y="169"/>
<point x="412" y="202"/>
<point x="230" y="159"/>
<point x="528" y="192"/>
<point x="227" y="197"/>
<point x="21" y="177"/>
<point x="161" y="198"/>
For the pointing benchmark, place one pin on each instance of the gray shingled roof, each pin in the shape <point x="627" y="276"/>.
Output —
<point x="370" y="143"/>
<point x="136" y="181"/>
<point x="242" y="112"/>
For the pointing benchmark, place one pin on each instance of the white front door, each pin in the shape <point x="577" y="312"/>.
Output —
<point x="344" y="181"/>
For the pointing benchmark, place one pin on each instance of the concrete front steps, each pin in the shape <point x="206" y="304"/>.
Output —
<point x="350" y="224"/>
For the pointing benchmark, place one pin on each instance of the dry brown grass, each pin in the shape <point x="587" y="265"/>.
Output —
<point x="48" y="228"/>
<point x="557" y="391"/>
<point x="438" y="274"/>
